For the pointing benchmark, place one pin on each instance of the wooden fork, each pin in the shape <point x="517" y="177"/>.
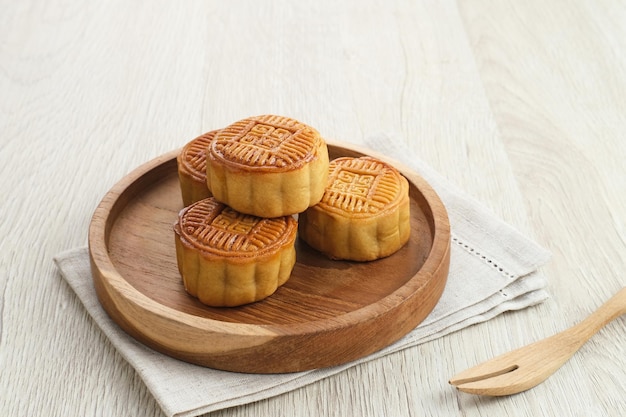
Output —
<point x="526" y="367"/>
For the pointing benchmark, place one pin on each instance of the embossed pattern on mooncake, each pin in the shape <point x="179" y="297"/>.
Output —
<point x="364" y="213"/>
<point x="191" y="162"/>
<point x="227" y="258"/>
<point x="361" y="186"/>
<point x="192" y="158"/>
<point x="215" y="228"/>
<point x="267" y="142"/>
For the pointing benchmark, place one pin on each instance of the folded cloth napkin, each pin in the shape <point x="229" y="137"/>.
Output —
<point x="493" y="268"/>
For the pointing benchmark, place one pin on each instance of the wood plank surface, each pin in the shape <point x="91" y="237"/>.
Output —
<point x="520" y="103"/>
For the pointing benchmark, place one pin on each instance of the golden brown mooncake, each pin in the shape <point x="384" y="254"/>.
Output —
<point x="268" y="166"/>
<point x="191" y="163"/>
<point x="227" y="258"/>
<point x="364" y="214"/>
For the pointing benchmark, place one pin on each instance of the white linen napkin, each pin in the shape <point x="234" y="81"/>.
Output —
<point x="493" y="268"/>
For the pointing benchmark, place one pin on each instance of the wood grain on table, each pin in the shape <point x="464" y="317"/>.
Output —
<point x="520" y="103"/>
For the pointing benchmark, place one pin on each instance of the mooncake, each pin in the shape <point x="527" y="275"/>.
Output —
<point x="268" y="166"/>
<point x="191" y="163"/>
<point x="364" y="214"/>
<point x="227" y="258"/>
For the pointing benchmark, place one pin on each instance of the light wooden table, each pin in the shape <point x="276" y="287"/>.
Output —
<point x="522" y="104"/>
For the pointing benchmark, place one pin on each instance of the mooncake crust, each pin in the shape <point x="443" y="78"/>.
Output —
<point x="364" y="214"/>
<point x="191" y="162"/>
<point x="227" y="258"/>
<point x="268" y="166"/>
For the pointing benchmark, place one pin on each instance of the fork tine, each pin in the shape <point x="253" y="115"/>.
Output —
<point x="499" y="365"/>
<point x="509" y="383"/>
<point x="479" y="373"/>
<point x="507" y="374"/>
<point x="499" y="385"/>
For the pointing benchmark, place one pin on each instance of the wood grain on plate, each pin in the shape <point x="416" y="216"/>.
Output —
<point x="328" y="313"/>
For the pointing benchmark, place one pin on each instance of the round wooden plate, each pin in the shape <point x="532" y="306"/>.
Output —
<point x="328" y="313"/>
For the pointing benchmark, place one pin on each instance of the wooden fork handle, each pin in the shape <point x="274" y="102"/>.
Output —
<point x="610" y="310"/>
